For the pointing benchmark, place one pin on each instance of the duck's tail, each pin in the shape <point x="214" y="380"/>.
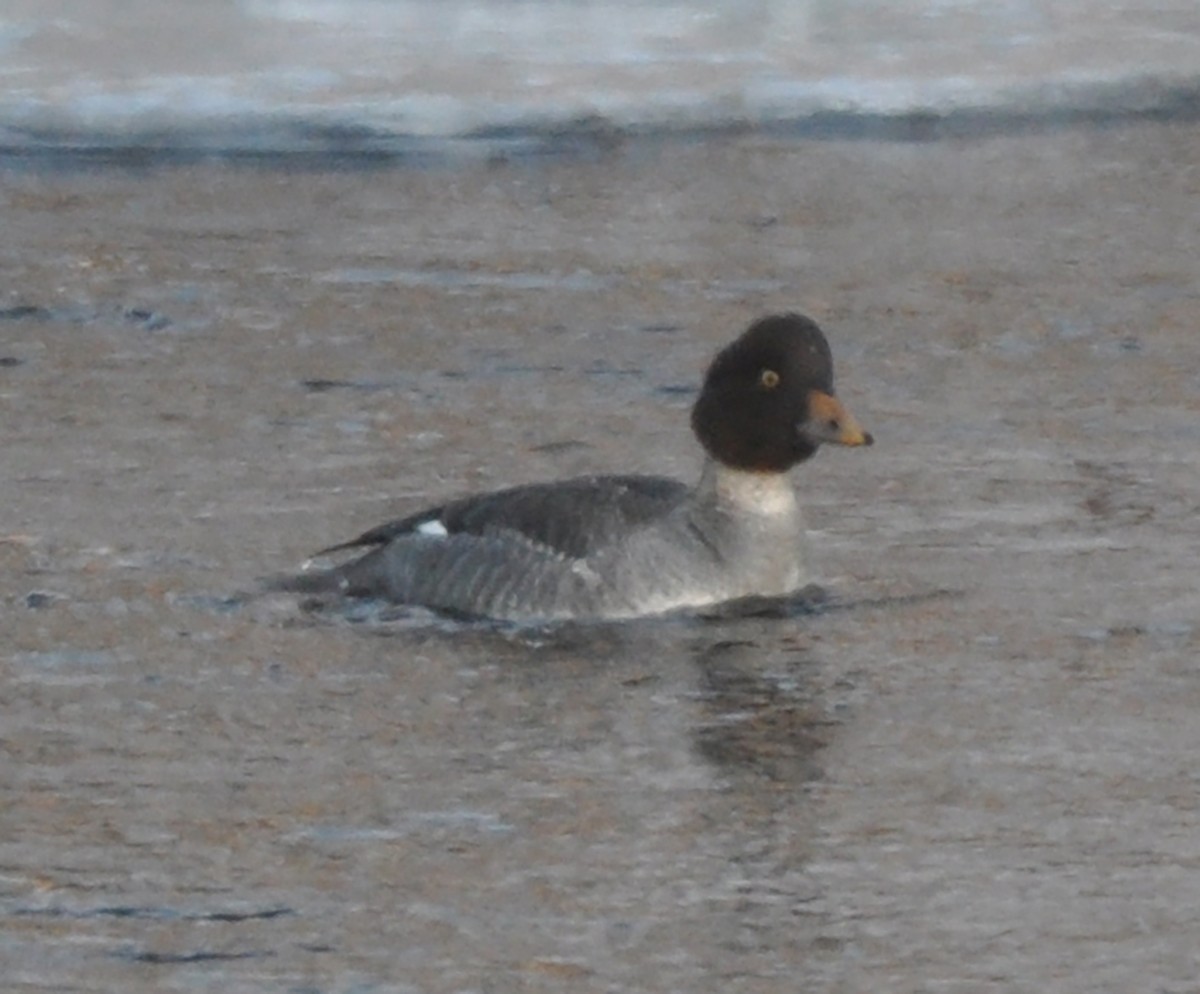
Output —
<point x="311" y="582"/>
<point x="366" y="576"/>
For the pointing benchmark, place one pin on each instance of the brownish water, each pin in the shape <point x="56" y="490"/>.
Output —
<point x="979" y="773"/>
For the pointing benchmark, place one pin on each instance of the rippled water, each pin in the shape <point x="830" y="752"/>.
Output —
<point x="975" y="772"/>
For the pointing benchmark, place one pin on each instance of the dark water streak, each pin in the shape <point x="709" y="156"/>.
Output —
<point x="300" y="145"/>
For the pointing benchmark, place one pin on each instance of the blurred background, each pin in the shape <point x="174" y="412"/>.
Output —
<point x="384" y="76"/>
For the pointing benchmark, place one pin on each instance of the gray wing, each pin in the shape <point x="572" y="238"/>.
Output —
<point x="517" y="553"/>
<point x="572" y="518"/>
<point x="491" y="576"/>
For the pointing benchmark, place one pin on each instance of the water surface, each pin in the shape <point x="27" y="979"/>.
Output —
<point x="977" y="775"/>
<point x="378" y="80"/>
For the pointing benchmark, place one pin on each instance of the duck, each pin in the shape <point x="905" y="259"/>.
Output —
<point x="612" y="547"/>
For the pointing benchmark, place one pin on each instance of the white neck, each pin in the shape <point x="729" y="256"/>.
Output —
<point x="743" y="493"/>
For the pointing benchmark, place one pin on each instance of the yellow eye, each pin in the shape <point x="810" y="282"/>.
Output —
<point x="769" y="379"/>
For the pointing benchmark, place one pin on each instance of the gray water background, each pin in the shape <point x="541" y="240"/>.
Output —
<point x="363" y="79"/>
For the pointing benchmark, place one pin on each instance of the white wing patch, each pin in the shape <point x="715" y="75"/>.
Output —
<point x="581" y="568"/>
<point x="433" y="528"/>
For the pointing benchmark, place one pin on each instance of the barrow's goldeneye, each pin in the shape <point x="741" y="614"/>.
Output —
<point x="629" y="546"/>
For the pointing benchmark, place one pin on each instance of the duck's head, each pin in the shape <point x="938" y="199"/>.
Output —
<point x="768" y="403"/>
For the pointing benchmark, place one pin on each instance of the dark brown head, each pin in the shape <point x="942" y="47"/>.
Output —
<point x="768" y="403"/>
